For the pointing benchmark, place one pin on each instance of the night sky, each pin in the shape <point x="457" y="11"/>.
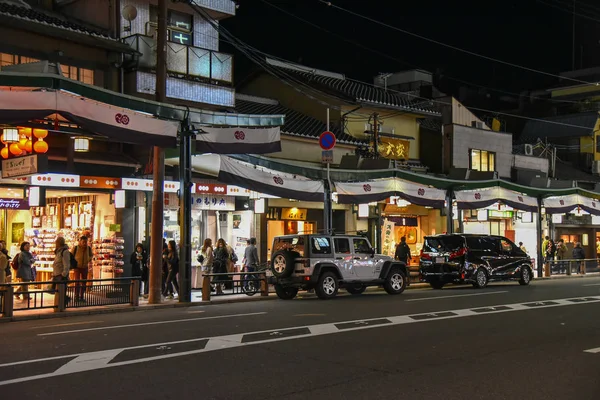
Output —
<point x="526" y="32"/>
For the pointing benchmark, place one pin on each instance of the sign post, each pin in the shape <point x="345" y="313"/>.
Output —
<point x="327" y="142"/>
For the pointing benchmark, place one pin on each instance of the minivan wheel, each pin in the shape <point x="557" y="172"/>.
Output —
<point x="481" y="279"/>
<point x="437" y="284"/>
<point x="328" y="286"/>
<point x="525" y="276"/>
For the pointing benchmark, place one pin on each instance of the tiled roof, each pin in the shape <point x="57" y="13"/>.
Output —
<point x="433" y="124"/>
<point x="46" y="18"/>
<point x="338" y="85"/>
<point x="296" y="123"/>
<point x="562" y="126"/>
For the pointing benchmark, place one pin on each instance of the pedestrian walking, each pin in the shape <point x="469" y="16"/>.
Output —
<point x="61" y="265"/>
<point x="205" y="259"/>
<point x="250" y="260"/>
<point x="522" y="247"/>
<point x="221" y="257"/>
<point x="83" y="255"/>
<point x="139" y="267"/>
<point x="25" y="262"/>
<point x="4" y="267"/>
<point x="579" y="254"/>
<point x="171" y="284"/>
<point x="402" y="251"/>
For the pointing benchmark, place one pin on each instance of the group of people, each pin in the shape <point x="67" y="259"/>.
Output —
<point x="558" y="251"/>
<point x="140" y="267"/>
<point x="22" y="266"/>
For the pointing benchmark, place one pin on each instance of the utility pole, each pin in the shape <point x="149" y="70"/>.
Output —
<point x="156" y="235"/>
<point x="185" y="211"/>
<point x="375" y="135"/>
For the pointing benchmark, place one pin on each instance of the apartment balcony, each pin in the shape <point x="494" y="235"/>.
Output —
<point x="183" y="60"/>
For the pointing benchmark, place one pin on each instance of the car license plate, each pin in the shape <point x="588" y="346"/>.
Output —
<point x="440" y="260"/>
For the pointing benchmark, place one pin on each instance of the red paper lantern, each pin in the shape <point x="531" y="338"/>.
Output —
<point x="29" y="146"/>
<point x="40" y="133"/>
<point x="40" y="146"/>
<point x="4" y="152"/>
<point x="14" y="149"/>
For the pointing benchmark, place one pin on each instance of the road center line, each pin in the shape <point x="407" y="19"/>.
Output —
<point x="71" y="324"/>
<point x="458" y="295"/>
<point x="150" y="323"/>
<point x="592" y="284"/>
<point x="102" y="359"/>
<point x="593" y="351"/>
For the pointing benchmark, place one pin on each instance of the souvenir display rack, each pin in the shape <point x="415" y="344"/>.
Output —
<point x="108" y="258"/>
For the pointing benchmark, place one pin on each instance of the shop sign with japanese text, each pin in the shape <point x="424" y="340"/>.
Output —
<point x="14" y="204"/>
<point x="24" y="166"/>
<point x="294" y="214"/>
<point x="213" y="202"/>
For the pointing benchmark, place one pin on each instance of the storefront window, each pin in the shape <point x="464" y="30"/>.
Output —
<point x="482" y="160"/>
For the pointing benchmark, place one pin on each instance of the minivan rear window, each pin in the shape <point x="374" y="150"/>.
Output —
<point x="443" y="244"/>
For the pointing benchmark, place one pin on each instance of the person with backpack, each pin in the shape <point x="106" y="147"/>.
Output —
<point x="83" y="256"/>
<point x="61" y="265"/>
<point x="402" y="251"/>
<point x="24" y="262"/>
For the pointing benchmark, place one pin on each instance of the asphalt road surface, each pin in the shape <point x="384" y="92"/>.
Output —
<point x="502" y="342"/>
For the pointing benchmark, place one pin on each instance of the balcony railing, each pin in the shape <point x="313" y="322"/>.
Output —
<point x="224" y="6"/>
<point x="183" y="59"/>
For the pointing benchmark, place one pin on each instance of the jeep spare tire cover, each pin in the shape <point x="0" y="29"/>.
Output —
<point x="282" y="263"/>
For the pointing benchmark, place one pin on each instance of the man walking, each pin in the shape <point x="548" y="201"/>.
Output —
<point x="61" y="265"/>
<point x="402" y="251"/>
<point x="83" y="255"/>
<point x="251" y="256"/>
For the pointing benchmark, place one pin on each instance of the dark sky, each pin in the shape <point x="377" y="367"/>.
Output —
<point x="525" y="32"/>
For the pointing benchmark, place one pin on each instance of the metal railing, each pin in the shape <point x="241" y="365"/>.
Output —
<point x="226" y="284"/>
<point x="68" y="294"/>
<point x="571" y="266"/>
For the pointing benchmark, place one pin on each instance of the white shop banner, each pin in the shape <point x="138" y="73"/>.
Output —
<point x="239" y="140"/>
<point x="482" y="198"/>
<point x="567" y="203"/>
<point x="381" y="189"/>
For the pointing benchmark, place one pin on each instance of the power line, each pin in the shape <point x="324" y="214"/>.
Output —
<point x="472" y="53"/>
<point x="402" y="62"/>
<point x="570" y="10"/>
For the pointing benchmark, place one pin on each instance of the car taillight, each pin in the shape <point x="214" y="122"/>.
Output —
<point x="458" y="253"/>
<point x="424" y="256"/>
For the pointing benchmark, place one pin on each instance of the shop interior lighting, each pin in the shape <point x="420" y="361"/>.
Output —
<point x="81" y="144"/>
<point x="10" y="135"/>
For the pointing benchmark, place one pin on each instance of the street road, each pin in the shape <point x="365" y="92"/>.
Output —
<point x="502" y="342"/>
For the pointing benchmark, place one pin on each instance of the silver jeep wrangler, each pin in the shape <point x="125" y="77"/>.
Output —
<point x="326" y="263"/>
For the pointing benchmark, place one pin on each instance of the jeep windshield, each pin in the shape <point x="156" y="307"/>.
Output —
<point x="295" y="243"/>
<point x="443" y="244"/>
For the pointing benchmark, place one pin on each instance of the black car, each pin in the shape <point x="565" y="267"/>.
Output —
<point x="475" y="259"/>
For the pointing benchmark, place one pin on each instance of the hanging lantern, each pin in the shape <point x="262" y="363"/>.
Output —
<point x="11" y="135"/>
<point x="4" y="152"/>
<point x="29" y="146"/>
<point x="24" y="131"/>
<point x="81" y="144"/>
<point x="40" y="146"/>
<point x="40" y="133"/>
<point x="22" y="142"/>
<point x="14" y="149"/>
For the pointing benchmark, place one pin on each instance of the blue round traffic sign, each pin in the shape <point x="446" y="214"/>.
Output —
<point x="327" y="140"/>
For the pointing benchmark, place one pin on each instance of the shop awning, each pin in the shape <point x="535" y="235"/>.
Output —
<point x="381" y="189"/>
<point x="123" y="125"/>
<point x="481" y="198"/>
<point x="564" y="204"/>
<point x="267" y="181"/>
<point x="239" y="140"/>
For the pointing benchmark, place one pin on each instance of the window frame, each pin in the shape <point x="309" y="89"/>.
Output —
<point x="490" y="160"/>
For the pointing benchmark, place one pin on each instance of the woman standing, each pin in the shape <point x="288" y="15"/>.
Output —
<point x="4" y="267"/>
<point x="173" y="265"/>
<point x="220" y="263"/>
<point x="139" y="266"/>
<point x="24" y="272"/>
<point x="206" y="262"/>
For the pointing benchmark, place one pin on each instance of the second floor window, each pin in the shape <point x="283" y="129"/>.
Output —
<point x="482" y="160"/>
<point x="78" y="74"/>
<point x="179" y="25"/>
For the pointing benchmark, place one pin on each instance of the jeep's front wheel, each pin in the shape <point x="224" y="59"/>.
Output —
<point x="395" y="283"/>
<point x="328" y="286"/>
<point x="285" y="293"/>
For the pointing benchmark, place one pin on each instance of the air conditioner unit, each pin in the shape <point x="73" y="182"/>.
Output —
<point x="596" y="167"/>
<point x="528" y="150"/>
<point x="477" y="124"/>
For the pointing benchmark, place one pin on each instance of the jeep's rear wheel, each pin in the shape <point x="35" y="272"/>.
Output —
<point x="395" y="283"/>
<point x="286" y="293"/>
<point x="282" y="264"/>
<point x="356" y="289"/>
<point x="328" y="286"/>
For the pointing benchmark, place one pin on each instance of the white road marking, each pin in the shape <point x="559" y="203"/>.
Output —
<point x="593" y="351"/>
<point x="71" y="324"/>
<point x="150" y="323"/>
<point x="592" y="284"/>
<point x="458" y="295"/>
<point x="101" y="359"/>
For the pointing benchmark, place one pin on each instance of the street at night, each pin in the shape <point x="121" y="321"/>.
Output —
<point x="505" y="341"/>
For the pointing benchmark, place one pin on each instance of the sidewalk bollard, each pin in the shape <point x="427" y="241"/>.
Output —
<point x="569" y="267"/>
<point x="8" y="302"/>
<point x="264" y="286"/>
<point x="205" y="288"/>
<point x="60" y="296"/>
<point x="134" y="293"/>
<point x="546" y="270"/>
<point x="582" y="267"/>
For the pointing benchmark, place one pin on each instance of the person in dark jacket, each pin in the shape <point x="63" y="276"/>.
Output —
<point x="402" y="251"/>
<point x="25" y="271"/>
<point x="139" y="266"/>
<point x="220" y="264"/>
<point x="579" y="254"/>
<point x="173" y="264"/>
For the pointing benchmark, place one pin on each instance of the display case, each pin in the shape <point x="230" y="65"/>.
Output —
<point x="108" y="258"/>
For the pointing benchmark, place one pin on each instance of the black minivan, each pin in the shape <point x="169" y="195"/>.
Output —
<point x="475" y="259"/>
